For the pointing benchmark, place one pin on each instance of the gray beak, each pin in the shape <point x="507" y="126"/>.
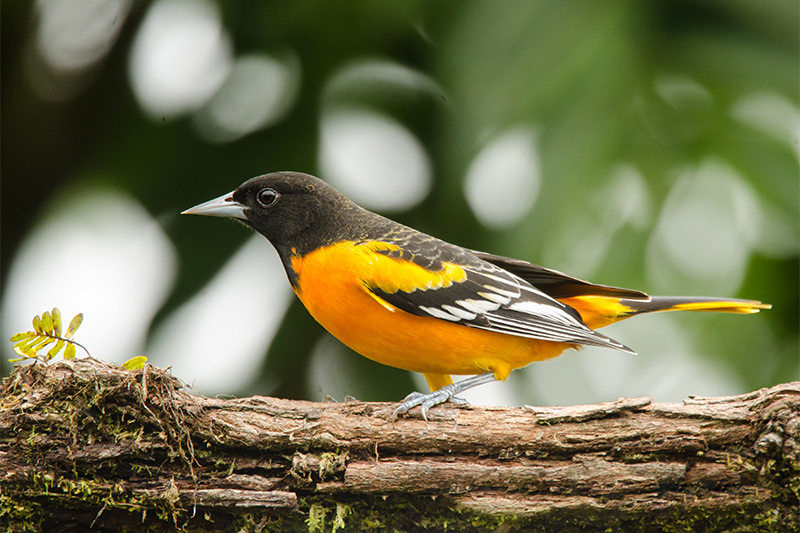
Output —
<point x="224" y="206"/>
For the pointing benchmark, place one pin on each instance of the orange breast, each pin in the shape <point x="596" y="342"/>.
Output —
<point x="332" y="285"/>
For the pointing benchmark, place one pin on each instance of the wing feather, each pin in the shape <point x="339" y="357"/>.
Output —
<point x="555" y="283"/>
<point x="479" y="294"/>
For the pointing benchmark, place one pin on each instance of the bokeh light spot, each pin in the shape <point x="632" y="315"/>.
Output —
<point x="666" y="368"/>
<point x="72" y="37"/>
<point x="701" y="240"/>
<point x="581" y="241"/>
<point x="366" y="76"/>
<point x="259" y="91"/>
<point x="104" y="256"/>
<point x="73" y="34"/>
<point x="682" y="92"/>
<point x="218" y="339"/>
<point x="180" y="57"/>
<point x="772" y="114"/>
<point x="373" y="159"/>
<point x="502" y="182"/>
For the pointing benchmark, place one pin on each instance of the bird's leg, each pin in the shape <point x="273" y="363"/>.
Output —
<point x="440" y="396"/>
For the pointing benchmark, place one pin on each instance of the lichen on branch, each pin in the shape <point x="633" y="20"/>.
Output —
<point x="90" y="443"/>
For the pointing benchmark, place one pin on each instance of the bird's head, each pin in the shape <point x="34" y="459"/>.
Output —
<point x="282" y="206"/>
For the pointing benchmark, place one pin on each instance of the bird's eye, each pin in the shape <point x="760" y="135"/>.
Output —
<point x="267" y="197"/>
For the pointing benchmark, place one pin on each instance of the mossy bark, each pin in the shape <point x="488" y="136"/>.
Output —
<point x="87" y="444"/>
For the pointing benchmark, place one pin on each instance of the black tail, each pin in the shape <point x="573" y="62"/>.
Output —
<point x="694" y="303"/>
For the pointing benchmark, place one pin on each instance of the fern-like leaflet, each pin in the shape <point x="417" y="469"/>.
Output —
<point x="47" y="330"/>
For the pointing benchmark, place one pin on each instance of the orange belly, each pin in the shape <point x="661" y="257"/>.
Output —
<point x="330" y="286"/>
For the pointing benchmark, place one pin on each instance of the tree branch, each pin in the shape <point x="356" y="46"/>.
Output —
<point x="87" y="443"/>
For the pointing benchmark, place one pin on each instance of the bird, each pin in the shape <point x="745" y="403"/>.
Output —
<point x="411" y="301"/>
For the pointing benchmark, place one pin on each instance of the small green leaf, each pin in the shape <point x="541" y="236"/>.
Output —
<point x="134" y="363"/>
<point x="69" y="351"/>
<point x="37" y="344"/>
<point x="47" y="331"/>
<point x="74" y="325"/>
<point x="55" y="349"/>
<point x="46" y="341"/>
<point x="25" y="352"/>
<point x="56" y="314"/>
<point x="24" y="343"/>
<point x="22" y="336"/>
<point x="47" y="322"/>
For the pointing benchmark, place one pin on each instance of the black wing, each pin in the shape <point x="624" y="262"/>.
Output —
<point x="488" y="297"/>
<point x="557" y="284"/>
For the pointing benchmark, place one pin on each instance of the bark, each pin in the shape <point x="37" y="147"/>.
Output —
<point x="87" y="444"/>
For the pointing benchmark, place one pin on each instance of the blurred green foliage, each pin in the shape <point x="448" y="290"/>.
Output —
<point x="651" y="86"/>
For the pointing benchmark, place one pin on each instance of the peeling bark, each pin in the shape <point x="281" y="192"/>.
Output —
<point x="84" y="443"/>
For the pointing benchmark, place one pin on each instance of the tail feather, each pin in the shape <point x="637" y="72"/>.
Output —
<point x="600" y="311"/>
<point x="694" y="303"/>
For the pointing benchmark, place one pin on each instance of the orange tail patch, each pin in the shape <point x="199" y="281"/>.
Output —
<point x="600" y="311"/>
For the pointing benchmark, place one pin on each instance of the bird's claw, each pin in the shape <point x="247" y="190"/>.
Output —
<point x="426" y="401"/>
<point x="330" y="399"/>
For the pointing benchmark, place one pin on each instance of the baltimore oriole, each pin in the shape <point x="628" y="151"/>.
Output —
<point x="409" y="300"/>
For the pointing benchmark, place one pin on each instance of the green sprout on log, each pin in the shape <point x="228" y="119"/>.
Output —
<point x="47" y="330"/>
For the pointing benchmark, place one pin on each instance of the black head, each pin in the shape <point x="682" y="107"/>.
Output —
<point x="293" y="210"/>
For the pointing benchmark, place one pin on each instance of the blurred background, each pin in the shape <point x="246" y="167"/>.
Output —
<point x="650" y="145"/>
